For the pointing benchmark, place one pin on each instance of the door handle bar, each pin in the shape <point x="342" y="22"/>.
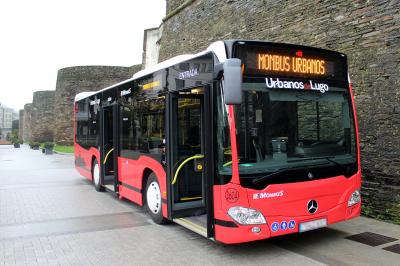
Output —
<point x="197" y="156"/>
<point x="108" y="153"/>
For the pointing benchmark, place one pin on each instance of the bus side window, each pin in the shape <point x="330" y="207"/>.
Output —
<point x="152" y="126"/>
<point x="82" y="123"/>
<point x="129" y="129"/>
<point x="142" y="128"/>
<point x="92" y="138"/>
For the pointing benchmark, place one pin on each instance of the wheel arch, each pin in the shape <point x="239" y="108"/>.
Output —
<point x="145" y="176"/>
<point x="154" y="167"/>
<point x="95" y="154"/>
<point x="92" y="163"/>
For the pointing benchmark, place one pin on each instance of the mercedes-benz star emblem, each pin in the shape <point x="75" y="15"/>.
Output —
<point x="312" y="206"/>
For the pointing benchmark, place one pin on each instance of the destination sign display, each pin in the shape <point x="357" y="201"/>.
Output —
<point x="283" y="63"/>
<point x="291" y="62"/>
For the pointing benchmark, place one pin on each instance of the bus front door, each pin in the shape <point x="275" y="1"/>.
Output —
<point x="109" y="147"/>
<point x="187" y="167"/>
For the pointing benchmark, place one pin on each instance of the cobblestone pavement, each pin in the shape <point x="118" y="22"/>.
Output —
<point x="50" y="215"/>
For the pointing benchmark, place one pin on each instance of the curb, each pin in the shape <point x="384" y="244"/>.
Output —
<point x="62" y="153"/>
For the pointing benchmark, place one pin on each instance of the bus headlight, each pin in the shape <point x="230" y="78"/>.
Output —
<point x="244" y="215"/>
<point x="354" y="198"/>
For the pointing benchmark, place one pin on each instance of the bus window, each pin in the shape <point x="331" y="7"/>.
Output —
<point x="142" y="128"/>
<point x="222" y="131"/>
<point x="129" y="133"/>
<point x="152" y="123"/>
<point x="93" y="125"/>
<point x="82" y="120"/>
<point x="319" y="120"/>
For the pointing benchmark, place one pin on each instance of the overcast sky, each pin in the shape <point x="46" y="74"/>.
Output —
<point x="39" y="37"/>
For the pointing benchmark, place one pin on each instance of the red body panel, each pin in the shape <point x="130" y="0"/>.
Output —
<point x="83" y="160"/>
<point x="130" y="172"/>
<point x="288" y="204"/>
<point x="235" y="159"/>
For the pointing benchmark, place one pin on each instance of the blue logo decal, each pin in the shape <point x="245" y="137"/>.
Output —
<point x="283" y="225"/>
<point x="275" y="227"/>
<point x="292" y="224"/>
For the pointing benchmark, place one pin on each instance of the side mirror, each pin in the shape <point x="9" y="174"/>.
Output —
<point x="232" y="82"/>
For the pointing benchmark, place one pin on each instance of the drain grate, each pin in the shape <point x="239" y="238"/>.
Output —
<point x="395" y="248"/>
<point x="371" y="239"/>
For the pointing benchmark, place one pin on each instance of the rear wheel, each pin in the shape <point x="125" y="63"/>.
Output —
<point x="153" y="202"/>
<point x="96" y="176"/>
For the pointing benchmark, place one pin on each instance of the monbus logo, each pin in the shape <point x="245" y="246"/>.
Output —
<point x="297" y="85"/>
<point x="265" y="195"/>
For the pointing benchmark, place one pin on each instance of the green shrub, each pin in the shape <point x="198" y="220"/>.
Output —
<point x="48" y="145"/>
<point x="34" y="144"/>
<point x="15" y="140"/>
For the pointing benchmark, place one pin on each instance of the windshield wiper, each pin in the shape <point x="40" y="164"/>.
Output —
<point x="283" y="170"/>
<point x="311" y="158"/>
<point x="334" y="162"/>
<point x="328" y="158"/>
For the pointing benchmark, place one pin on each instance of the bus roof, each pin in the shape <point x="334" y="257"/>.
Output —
<point x="218" y="48"/>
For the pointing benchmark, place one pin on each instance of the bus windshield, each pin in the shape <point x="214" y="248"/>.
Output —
<point x="279" y="129"/>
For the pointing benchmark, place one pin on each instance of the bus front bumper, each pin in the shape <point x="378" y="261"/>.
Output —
<point x="286" y="207"/>
<point x="282" y="225"/>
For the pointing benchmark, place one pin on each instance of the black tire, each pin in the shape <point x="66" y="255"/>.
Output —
<point x="97" y="185"/>
<point x="154" y="211"/>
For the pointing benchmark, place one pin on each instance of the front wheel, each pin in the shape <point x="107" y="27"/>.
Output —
<point x="153" y="202"/>
<point x="96" y="176"/>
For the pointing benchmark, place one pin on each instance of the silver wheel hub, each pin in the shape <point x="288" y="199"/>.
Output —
<point x="153" y="197"/>
<point x="96" y="174"/>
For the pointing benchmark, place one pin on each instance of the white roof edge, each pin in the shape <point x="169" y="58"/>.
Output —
<point x="164" y="64"/>
<point x="83" y="95"/>
<point x="114" y="85"/>
<point x="167" y="63"/>
<point x="218" y="48"/>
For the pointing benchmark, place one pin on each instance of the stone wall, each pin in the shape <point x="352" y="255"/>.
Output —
<point x="27" y="123"/>
<point x="135" y="68"/>
<point x="367" y="31"/>
<point x="73" y="80"/>
<point x="21" y="125"/>
<point x="151" y="46"/>
<point x="42" y="116"/>
<point x="173" y="5"/>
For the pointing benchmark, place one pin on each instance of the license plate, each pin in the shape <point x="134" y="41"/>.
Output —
<point x="311" y="225"/>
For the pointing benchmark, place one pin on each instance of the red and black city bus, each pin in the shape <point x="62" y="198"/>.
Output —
<point x="244" y="141"/>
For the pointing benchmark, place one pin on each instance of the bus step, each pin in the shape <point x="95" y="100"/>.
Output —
<point x="195" y="224"/>
<point x="109" y="188"/>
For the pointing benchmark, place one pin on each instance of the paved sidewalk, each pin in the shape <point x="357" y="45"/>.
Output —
<point x="49" y="215"/>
